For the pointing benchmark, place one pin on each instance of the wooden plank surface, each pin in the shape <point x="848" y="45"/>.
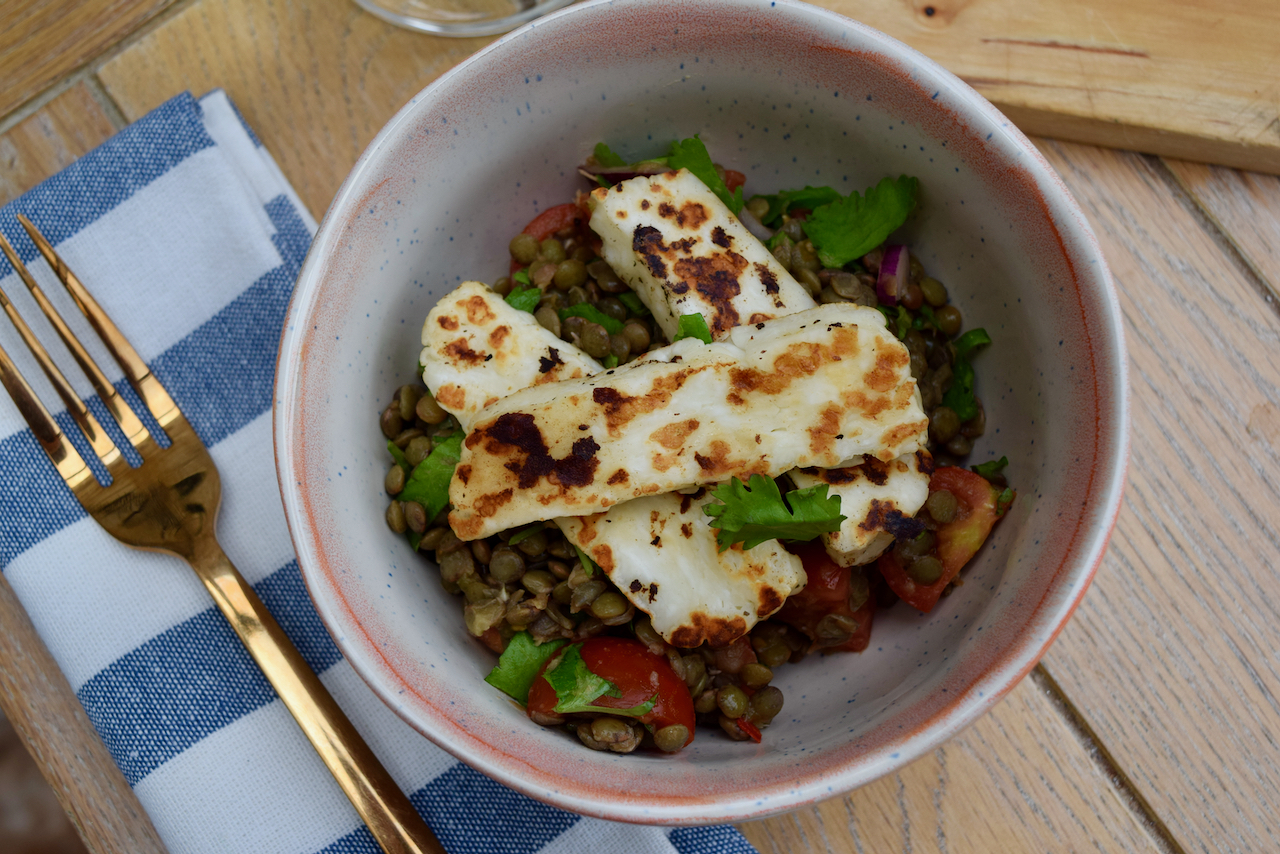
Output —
<point x="42" y="40"/>
<point x="50" y="139"/>
<point x="1172" y="655"/>
<point x="1186" y="78"/>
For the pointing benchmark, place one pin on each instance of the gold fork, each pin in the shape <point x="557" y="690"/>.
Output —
<point x="169" y="504"/>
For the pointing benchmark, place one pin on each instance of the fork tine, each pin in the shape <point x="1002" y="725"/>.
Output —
<point x="145" y="383"/>
<point x="98" y="438"/>
<point x="70" y="465"/>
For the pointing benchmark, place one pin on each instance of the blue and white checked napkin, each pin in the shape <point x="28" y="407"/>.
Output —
<point x="191" y="238"/>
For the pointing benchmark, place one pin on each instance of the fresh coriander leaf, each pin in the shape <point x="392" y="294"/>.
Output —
<point x="779" y="238"/>
<point x="959" y="395"/>
<point x="429" y="483"/>
<point x="525" y="299"/>
<point x="399" y="457"/>
<point x="991" y="468"/>
<point x="414" y="539"/>
<point x="524" y="534"/>
<point x="851" y="227"/>
<point x="522" y="277"/>
<point x="809" y="198"/>
<point x="971" y="340"/>
<point x="751" y="514"/>
<point x="924" y="318"/>
<point x="691" y="154"/>
<point x="588" y="565"/>
<point x="577" y="688"/>
<point x="602" y="181"/>
<point x="693" y="326"/>
<point x="903" y="321"/>
<point x="610" y="361"/>
<point x="595" y="315"/>
<point x="519" y="664"/>
<point x="1005" y="499"/>
<point x="633" y="303"/>
<point x="606" y="156"/>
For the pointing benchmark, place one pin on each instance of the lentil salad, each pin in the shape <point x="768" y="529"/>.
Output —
<point x="535" y="598"/>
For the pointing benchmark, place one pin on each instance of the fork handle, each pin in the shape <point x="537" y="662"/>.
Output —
<point x="395" y="824"/>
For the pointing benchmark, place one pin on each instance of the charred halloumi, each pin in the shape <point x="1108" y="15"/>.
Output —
<point x="683" y="252"/>
<point x="478" y="350"/>
<point x="661" y="553"/>
<point x="658" y="550"/>
<point x="810" y="389"/>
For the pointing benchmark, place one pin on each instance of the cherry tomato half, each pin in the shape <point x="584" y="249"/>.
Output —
<point x="551" y="220"/>
<point x="733" y="179"/>
<point x="957" y="541"/>
<point x="826" y="592"/>
<point x="638" y="675"/>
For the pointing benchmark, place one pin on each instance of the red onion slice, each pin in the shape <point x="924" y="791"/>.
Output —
<point x="895" y="268"/>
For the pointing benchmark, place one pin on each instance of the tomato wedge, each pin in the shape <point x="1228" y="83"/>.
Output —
<point x="826" y="592"/>
<point x="733" y="179"/>
<point x="553" y="219"/>
<point x="957" y="541"/>
<point x="637" y="673"/>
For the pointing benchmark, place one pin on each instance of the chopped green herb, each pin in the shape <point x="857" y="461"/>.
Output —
<point x="991" y="468"/>
<point x="924" y="318"/>
<point x="588" y="565"/>
<point x="1003" y="502"/>
<point x="577" y="688"/>
<point x="810" y="198"/>
<point x="521" y="276"/>
<point x="691" y="154"/>
<point x="414" y="539"/>
<point x="524" y="534"/>
<point x="779" y="238"/>
<point x="399" y="457"/>
<point x="519" y="664"/>
<point x="606" y="156"/>
<point x="525" y="299"/>
<point x="851" y="227"/>
<point x="693" y="326"/>
<point x="429" y="483"/>
<point x="593" y="314"/>
<point x="898" y="320"/>
<point x="751" y="514"/>
<point x="971" y="340"/>
<point x="610" y="361"/>
<point x="959" y="395"/>
<point x="602" y="181"/>
<point x="633" y="303"/>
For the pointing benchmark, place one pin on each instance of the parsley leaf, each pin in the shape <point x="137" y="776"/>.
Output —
<point x="606" y="156"/>
<point x="809" y="198"/>
<point x="577" y="688"/>
<point x="399" y="457"/>
<point x="851" y="227"/>
<point x="610" y="361"/>
<point x="588" y="564"/>
<point x="524" y="534"/>
<point x="519" y="664"/>
<point x="633" y="303"/>
<point x="751" y="514"/>
<point x="991" y="468"/>
<point x="691" y="154"/>
<point x="1004" y="500"/>
<point x="959" y="395"/>
<point x="595" y="315"/>
<point x="693" y="326"/>
<point x="525" y="299"/>
<point x="899" y="321"/>
<point x="429" y="483"/>
<point x="522" y="277"/>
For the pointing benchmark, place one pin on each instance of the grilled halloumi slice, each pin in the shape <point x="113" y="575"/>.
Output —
<point x="658" y="550"/>
<point x="677" y="245"/>
<point x="810" y="389"/>
<point x="678" y="207"/>
<point x="879" y="501"/>
<point x="662" y="554"/>
<point x="477" y="350"/>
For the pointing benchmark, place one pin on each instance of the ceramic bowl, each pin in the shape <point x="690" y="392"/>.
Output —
<point x="790" y="95"/>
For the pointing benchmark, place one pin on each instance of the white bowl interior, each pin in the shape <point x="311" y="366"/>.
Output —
<point x="789" y="96"/>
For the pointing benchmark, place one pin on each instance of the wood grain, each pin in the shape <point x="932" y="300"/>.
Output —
<point x="1172" y="656"/>
<point x="52" y="723"/>
<point x="50" y="139"/>
<point x="316" y="80"/>
<point x="1017" y="780"/>
<point x="42" y="40"/>
<point x="1179" y="77"/>
<point x="1245" y="208"/>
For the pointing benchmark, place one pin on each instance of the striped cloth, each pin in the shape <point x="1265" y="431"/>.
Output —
<point x="190" y="237"/>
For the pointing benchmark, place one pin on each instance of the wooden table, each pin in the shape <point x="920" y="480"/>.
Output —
<point x="1152" y="723"/>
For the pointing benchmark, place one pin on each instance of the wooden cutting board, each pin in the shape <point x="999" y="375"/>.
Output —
<point x="1195" y="79"/>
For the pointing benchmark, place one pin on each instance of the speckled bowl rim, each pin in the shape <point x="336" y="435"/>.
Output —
<point x="1014" y="661"/>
